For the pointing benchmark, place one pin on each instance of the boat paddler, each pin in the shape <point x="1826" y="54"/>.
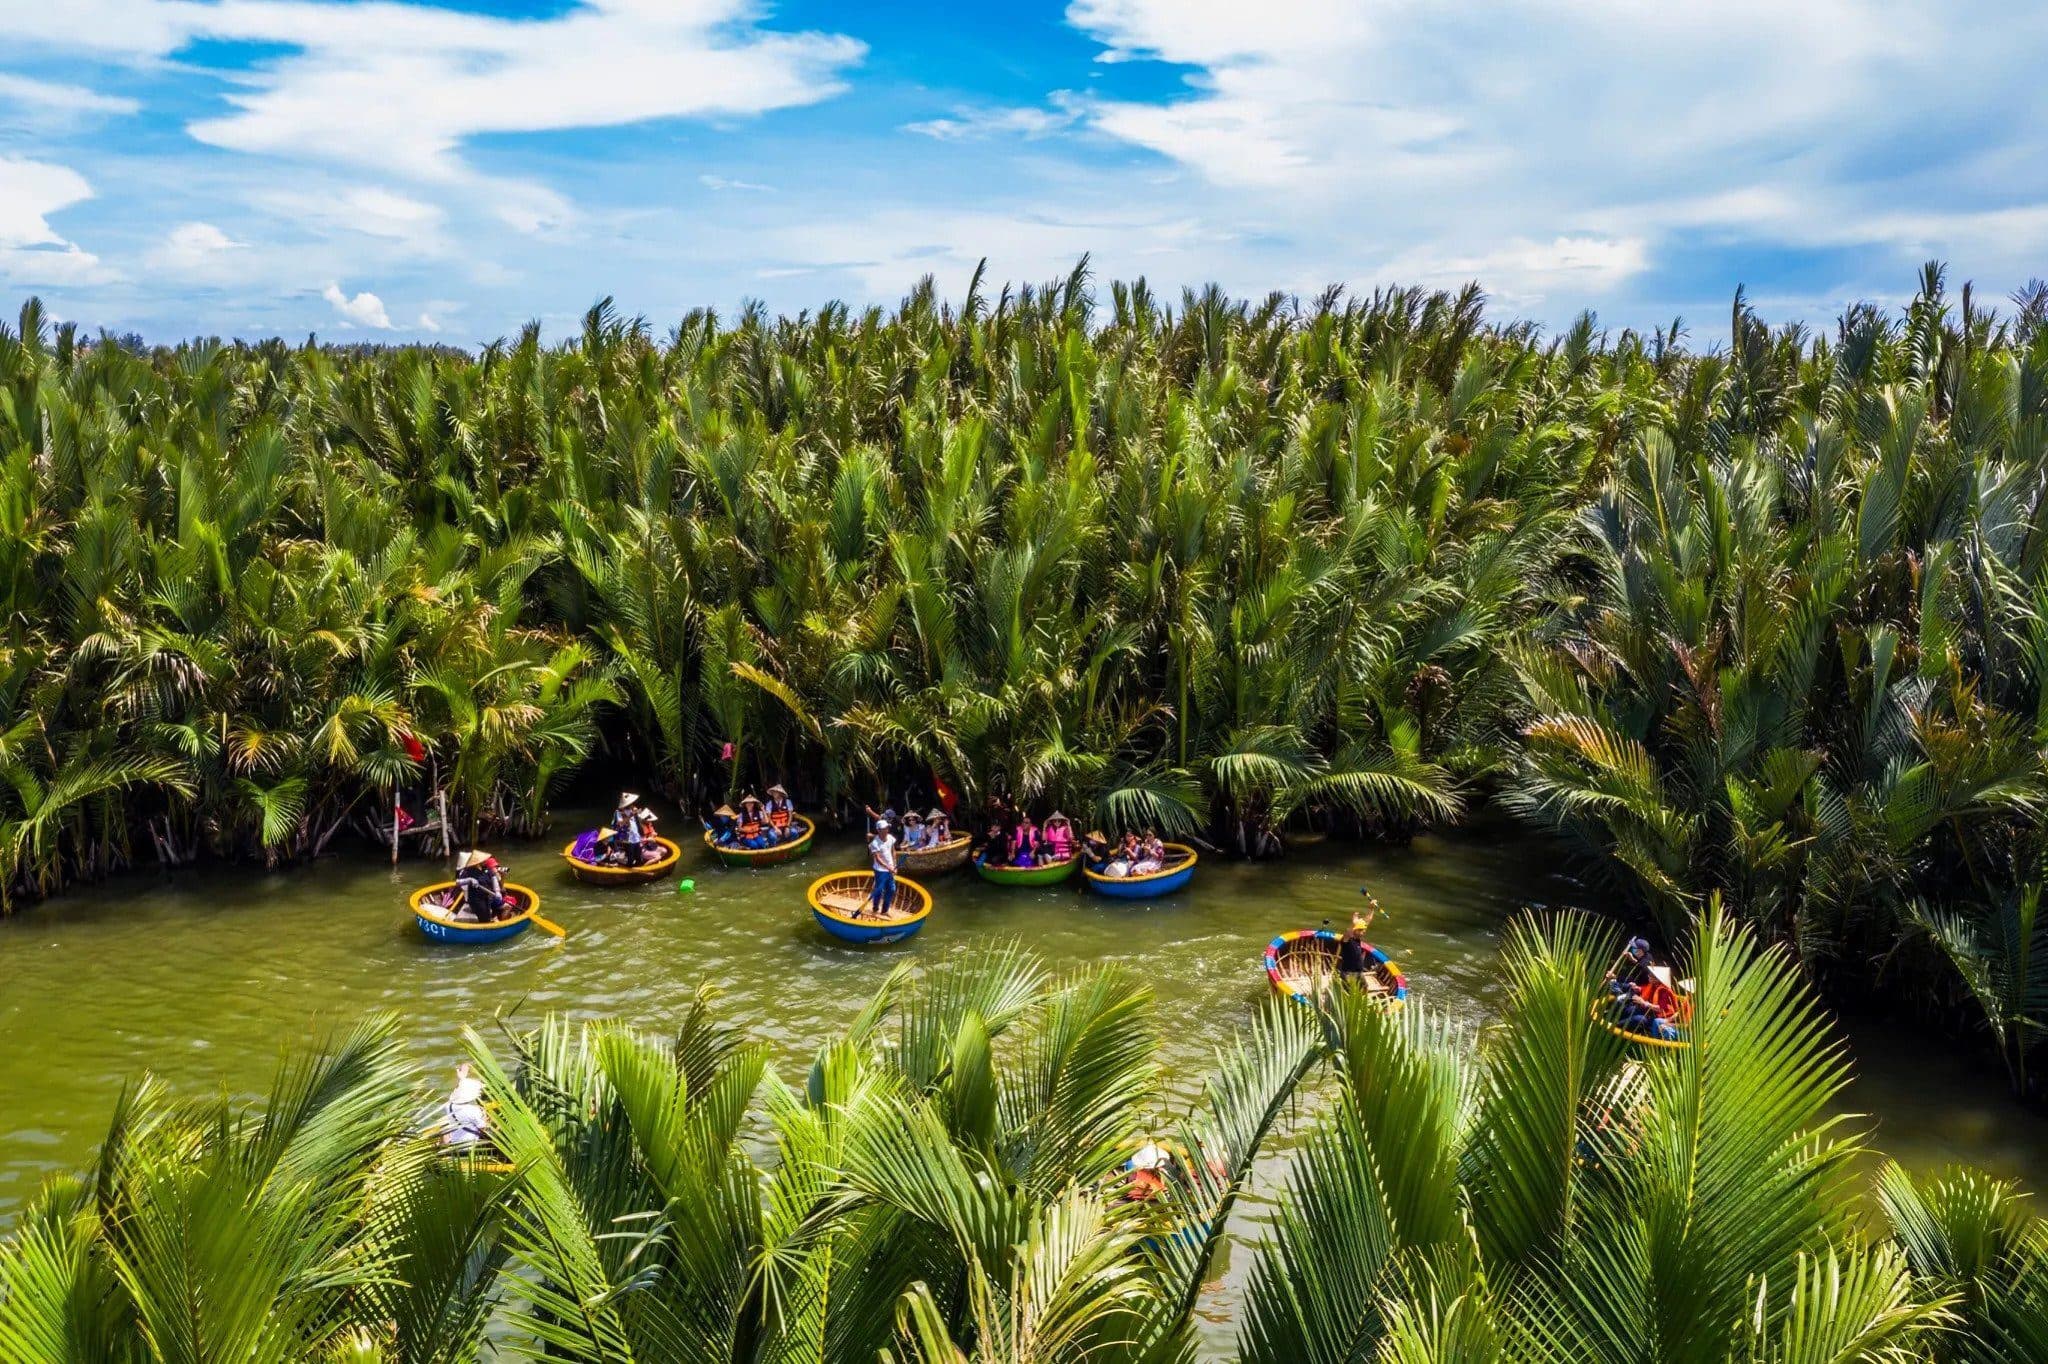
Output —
<point x="626" y="829"/>
<point x="724" y="826"/>
<point x="882" y="859"/>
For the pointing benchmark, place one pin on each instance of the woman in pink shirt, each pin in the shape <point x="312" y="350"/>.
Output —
<point x="1057" y="840"/>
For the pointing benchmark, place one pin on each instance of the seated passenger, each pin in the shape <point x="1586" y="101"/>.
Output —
<point x="1151" y="855"/>
<point x="754" y="831"/>
<point x="914" y="835"/>
<point x="1024" y="844"/>
<point x="464" y="1121"/>
<point x="938" y="827"/>
<point x="1056" y="840"/>
<point x="996" y="851"/>
<point x="724" y="826"/>
<point x="1124" y="859"/>
<point x="781" y="814"/>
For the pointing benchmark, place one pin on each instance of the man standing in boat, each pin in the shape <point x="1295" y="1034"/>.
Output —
<point x="882" y="859"/>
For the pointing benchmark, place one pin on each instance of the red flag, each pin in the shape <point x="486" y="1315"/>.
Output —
<point x="948" y="797"/>
<point x="413" y="748"/>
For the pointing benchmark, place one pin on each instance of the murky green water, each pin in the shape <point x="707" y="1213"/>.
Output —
<point x="203" y="977"/>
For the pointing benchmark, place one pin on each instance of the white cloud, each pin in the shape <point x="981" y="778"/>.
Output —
<point x="967" y="124"/>
<point x="194" y="251"/>
<point x="399" y="88"/>
<point x="371" y="210"/>
<point x="364" y="309"/>
<point x="31" y="251"/>
<point x="719" y="182"/>
<point x="51" y="99"/>
<point x="1563" y="148"/>
<point x="427" y="323"/>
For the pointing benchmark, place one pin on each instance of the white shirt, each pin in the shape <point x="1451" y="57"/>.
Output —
<point x="882" y="849"/>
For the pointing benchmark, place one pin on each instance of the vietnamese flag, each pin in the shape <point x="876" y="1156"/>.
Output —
<point x="413" y="748"/>
<point x="948" y="797"/>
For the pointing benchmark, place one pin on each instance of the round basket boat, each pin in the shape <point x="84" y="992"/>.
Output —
<point x="430" y="910"/>
<point x="1178" y="871"/>
<point x="786" y="851"/>
<point x="1604" y="1015"/>
<point x="1303" y="966"/>
<point x="839" y="904"/>
<point x="1169" y="1219"/>
<point x="600" y="874"/>
<point x="1046" y="874"/>
<point x="948" y="856"/>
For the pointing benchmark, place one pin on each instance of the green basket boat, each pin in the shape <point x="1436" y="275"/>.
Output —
<point x="765" y="857"/>
<point x="1050" y="874"/>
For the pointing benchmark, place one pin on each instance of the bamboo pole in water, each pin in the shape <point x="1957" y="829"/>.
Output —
<point x="394" y="826"/>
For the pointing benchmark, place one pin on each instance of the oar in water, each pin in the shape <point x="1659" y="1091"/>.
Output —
<point x="549" y="927"/>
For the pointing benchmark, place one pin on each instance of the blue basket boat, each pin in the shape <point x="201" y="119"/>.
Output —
<point x="1178" y="871"/>
<point x="839" y="904"/>
<point x="430" y="910"/>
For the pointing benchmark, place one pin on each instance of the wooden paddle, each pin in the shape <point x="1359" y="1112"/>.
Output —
<point x="548" y="927"/>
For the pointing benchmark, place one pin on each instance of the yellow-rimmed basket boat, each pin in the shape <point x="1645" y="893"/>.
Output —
<point x="1604" y="1012"/>
<point x="600" y="874"/>
<point x="948" y="856"/>
<point x="839" y="904"/>
<point x="1178" y="871"/>
<point x="786" y="851"/>
<point x="430" y="910"/>
<point x="1303" y="965"/>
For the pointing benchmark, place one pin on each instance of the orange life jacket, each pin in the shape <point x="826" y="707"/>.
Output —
<point x="1660" y="997"/>
<point x="779" y="817"/>
<point x="750" y="828"/>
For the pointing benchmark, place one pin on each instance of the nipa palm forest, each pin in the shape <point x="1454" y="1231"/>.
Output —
<point x="1756" y="631"/>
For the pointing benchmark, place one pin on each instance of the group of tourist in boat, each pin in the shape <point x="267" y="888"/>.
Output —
<point x="1024" y="843"/>
<point x="629" y="839"/>
<point x="1645" y="999"/>
<point x="1132" y="855"/>
<point x="756" y="824"/>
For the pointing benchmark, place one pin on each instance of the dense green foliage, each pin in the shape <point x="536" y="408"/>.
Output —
<point x="946" y="1184"/>
<point x="1769" y="620"/>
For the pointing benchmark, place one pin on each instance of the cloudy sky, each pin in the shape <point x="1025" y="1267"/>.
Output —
<point x="452" y="169"/>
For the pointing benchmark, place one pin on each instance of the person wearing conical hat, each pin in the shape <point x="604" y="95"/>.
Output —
<point x="1056" y="839"/>
<point x="753" y="824"/>
<point x="915" y="835"/>
<point x="724" y="826"/>
<point x="480" y="886"/>
<point x="938" y="826"/>
<point x="781" y="813"/>
<point x="626" y="834"/>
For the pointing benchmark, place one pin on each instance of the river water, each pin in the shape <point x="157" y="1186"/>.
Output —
<point x="205" y="976"/>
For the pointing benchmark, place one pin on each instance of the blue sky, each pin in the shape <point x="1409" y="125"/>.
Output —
<point x="372" y="169"/>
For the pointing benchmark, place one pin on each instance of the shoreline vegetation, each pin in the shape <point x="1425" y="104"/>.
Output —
<point x="986" y="1164"/>
<point x="1766" y="620"/>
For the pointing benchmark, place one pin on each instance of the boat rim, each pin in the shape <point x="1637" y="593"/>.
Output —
<point x="818" y="907"/>
<point x="433" y="914"/>
<point x="1185" y="864"/>
<point x="810" y="830"/>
